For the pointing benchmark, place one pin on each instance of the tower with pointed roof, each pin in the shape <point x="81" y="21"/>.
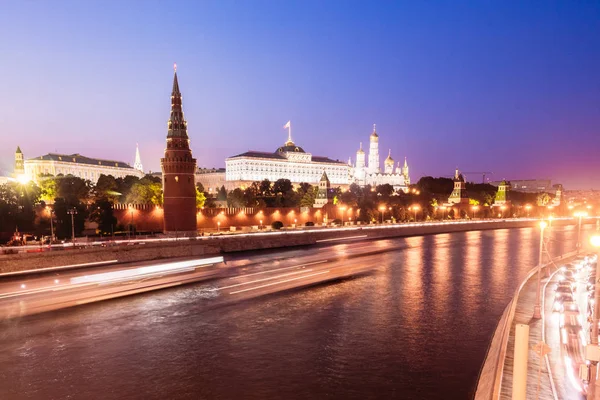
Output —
<point x="138" y="160"/>
<point x="19" y="162"/>
<point x="373" y="167"/>
<point x="459" y="193"/>
<point x="405" y="172"/>
<point x="178" y="168"/>
<point x="323" y="193"/>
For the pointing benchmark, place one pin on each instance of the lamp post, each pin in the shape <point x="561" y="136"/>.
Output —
<point x="502" y="208"/>
<point x="580" y="215"/>
<point x="131" y="222"/>
<point x="342" y="209"/>
<point x="260" y="226"/>
<point x="382" y="211"/>
<point x="72" y="212"/>
<point x="474" y="208"/>
<point x="443" y="208"/>
<point x="537" y="308"/>
<point x="219" y="226"/>
<point x="416" y="208"/>
<point x="528" y="208"/>
<point x="51" y="211"/>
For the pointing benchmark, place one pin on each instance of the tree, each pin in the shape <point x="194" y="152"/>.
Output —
<point x="106" y="189"/>
<point x="235" y="198"/>
<point x="543" y="199"/>
<point x="102" y="214"/>
<point x="282" y="186"/>
<point x="222" y="194"/>
<point x="308" y="200"/>
<point x="17" y="206"/>
<point x="265" y="188"/>
<point x="145" y="192"/>
<point x="200" y="197"/>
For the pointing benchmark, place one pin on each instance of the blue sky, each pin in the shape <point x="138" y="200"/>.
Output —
<point x="508" y="87"/>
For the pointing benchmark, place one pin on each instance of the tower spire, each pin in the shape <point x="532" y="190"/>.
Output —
<point x="177" y="123"/>
<point x="138" y="160"/>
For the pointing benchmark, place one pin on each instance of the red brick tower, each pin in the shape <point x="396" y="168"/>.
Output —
<point x="178" y="169"/>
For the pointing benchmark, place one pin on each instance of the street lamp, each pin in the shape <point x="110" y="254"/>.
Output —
<point x="580" y="215"/>
<point x="528" y="208"/>
<point x="474" y="208"/>
<point x="537" y="308"/>
<point x="342" y="209"/>
<point x="416" y="208"/>
<point x="502" y="208"/>
<point x="443" y="208"/>
<point x="218" y="226"/>
<point x="382" y="211"/>
<point x="260" y="227"/>
<point x="51" y="211"/>
<point x="72" y="212"/>
<point x="131" y="222"/>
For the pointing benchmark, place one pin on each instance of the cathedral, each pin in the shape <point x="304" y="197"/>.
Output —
<point x="364" y="174"/>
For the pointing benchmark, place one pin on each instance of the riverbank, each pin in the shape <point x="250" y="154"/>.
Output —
<point x="495" y="379"/>
<point x="154" y="249"/>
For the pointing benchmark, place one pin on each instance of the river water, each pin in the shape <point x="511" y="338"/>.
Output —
<point x="417" y="327"/>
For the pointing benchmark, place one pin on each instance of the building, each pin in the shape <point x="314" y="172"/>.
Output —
<point x="529" y="185"/>
<point x="287" y="162"/>
<point x="178" y="169"/>
<point x="502" y="195"/>
<point x="213" y="179"/>
<point x="323" y="193"/>
<point x="459" y="193"/>
<point x="370" y="174"/>
<point x="71" y="164"/>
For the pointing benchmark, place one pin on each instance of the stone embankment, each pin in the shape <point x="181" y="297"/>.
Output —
<point x="194" y="247"/>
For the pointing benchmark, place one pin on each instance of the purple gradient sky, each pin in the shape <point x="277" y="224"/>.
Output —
<point x="506" y="87"/>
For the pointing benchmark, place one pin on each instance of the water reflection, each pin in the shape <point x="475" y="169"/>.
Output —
<point x="417" y="327"/>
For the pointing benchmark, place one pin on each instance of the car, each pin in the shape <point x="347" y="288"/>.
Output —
<point x="563" y="290"/>
<point x="567" y="284"/>
<point x="569" y="305"/>
<point x="559" y="301"/>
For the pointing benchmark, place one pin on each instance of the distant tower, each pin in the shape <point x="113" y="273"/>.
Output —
<point x="373" y="166"/>
<point x="178" y="169"/>
<point x="323" y="193"/>
<point x="503" y="193"/>
<point x="459" y="194"/>
<point x="19" y="162"/>
<point x="388" y="164"/>
<point x="359" y="170"/>
<point x="405" y="173"/>
<point x="138" y="161"/>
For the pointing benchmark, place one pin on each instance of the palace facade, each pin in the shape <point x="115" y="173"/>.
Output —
<point x="73" y="164"/>
<point x="287" y="162"/>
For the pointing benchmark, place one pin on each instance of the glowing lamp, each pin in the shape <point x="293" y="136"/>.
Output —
<point x="595" y="240"/>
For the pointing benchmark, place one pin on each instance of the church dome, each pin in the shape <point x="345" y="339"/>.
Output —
<point x="374" y="136"/>
<point x="360" y="150"/>
<point x="389" y="160"/>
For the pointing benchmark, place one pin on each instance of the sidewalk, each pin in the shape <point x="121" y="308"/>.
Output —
<point x="549" y="388"/>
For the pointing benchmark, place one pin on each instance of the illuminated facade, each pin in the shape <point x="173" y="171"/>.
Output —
<point x="287" y="162"/>
<point x="71" y="164"/>
<point x="370" y="174"/>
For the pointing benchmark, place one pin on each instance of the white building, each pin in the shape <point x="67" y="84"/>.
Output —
<point x="287" y="162"/>
<point x="363" y="174"/>
<point x="78" y="165"/>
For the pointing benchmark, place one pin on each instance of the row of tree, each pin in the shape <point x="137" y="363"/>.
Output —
<point x="94" y="202"/>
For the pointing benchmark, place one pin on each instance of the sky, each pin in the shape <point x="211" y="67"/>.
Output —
<point x="501" y="86"/>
